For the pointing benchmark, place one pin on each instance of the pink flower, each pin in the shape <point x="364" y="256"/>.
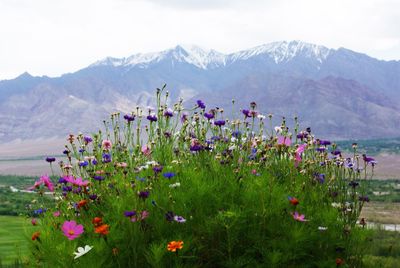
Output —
<point x="57" y="214"/>
<point x="34" y="221"/>
<point x="145" y="214"/>
<point x="282" y="140"/>
<point x="298" y="217"/>
<point x="299" y="151"/>
<point x="106" y="144"/>
<point x="77" y="181"/>
<point x="43" y="180"/>
<point x="146" y="150"/>
<point x="72" y="230"/>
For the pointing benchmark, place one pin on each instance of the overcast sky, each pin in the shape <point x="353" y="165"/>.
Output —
<point x="51" y="37"/>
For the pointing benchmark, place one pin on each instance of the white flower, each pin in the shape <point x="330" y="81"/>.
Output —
<point x="261" y="117"/>
<point x="82" y="251"/>
<point x="336" y="205"/>
<point x="322" y="228"/>
<point x="175" y="185"/>
<point x="278" y="129"/>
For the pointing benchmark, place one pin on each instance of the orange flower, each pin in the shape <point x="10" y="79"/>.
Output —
<point x="102" y="229"/>
<point x="173" y="246"/>
<point x="97" y="221"/>
<point x="82" y="203"/>
<point x="339" y="261"/>
<point x="35" y="235"/>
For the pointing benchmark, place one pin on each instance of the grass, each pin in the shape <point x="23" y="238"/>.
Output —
<point x="13" y="239"/>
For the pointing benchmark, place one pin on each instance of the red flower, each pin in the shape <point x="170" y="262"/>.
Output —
<point x="35" y="235"/>
<point x="102" y="229"/>
<point x="293" y="200"/>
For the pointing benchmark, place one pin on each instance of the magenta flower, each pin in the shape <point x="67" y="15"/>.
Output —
<point x="146" y="150"/>
<point x="282" y="140"/>
<point x="57" y="214"/>
<point x="298" y="217"/>
<point x="299" y="151"/>
<point x="72" y="230"/>
<point x="43" y="180"/>
<point x="77" y="181"/>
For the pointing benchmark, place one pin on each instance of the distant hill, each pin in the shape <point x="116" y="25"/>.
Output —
<point x="340" y="93"/>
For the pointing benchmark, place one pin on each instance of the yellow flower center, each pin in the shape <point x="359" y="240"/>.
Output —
<point x="71" y="232"/>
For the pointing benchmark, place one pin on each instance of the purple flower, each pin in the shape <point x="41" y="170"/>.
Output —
<point x="169" y="216"/>
<point x="98" y="178"/>
<point x="209" y="115"/>
<point x="66" y="151"/>
<point x="67" y="188"/>
<point x="129" y="117"/>
<point x="81" y="150"/>
<point x="363" y="198"/>
<point x="106" y="158"/>
<point x="219" y="123"/>
<point x="152" y="118"/>
<point x="201" y="104"/>
<point x="184" y="117"/>
<point x="236" y="134"/>
<point x="168" y="113"/>
<point x="94" y="162"/>
<point x="196" y="148"/>
<point x="246" y="113"/>
<point x="369" y="160"/>
<point x="179" y="219"/>
<point x="93" y="197"/>
<point x="302" y="135"/>
<point x="62" y="180"/>
<point x="157" y="169"/>
<point x="320" y="149"/>
<point x="169" y="175"/>
<point x="144" y="194"/>
<point x="336" y="152"/>
<point x="87" y="139"/>
<point x="50" y="159"/>
<point x="324" y="143"/>
<point x="129" y="213"/>
<point x="353" y="184"/>
<point x="83" y="163"/>
<point x="319" y="177"/>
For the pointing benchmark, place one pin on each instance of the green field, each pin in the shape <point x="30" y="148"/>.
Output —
<point x="13" y="238"/>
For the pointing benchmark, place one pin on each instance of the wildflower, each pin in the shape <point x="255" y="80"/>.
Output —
<point x="62" y="180"/>
<point x="282" y="140"/>
<point x="98" y="178"/>
<point x="82" y="251"/>
<point x="339" y="261"/>
<point x="152" y="118"/>
<point x="201" y="104"/>
<point x="209" y="116"/>
<point x="57" y="214"/>
<point x="102" y="229"/>
<point x="175" y="185"/>
<point x="184" y="117"/>
<point x="179" y="219"/>
<point x="72" y="230"/>
<point x="50" y="159"/>
<point x="298" y="217"/>
<point x="106" y="144"/>
<point x="278" y="129"/>
<point x="121" y="164"/>
<point x="106" y="158"/>
<point x="363" y="198"/>
<point x="77" y="181"/>
<point x="169" y="175"/>
<point x="129" y="214"/>
<point x="196" y="148"/>
<point x="97" y="221"/>
<point x="298" y="153"/>
<point x="293" y="200"/>
<point x="144" y="194"/>
<point x="145" y="214"/>
<point x="39" y="211"/>
<point x="173" y="246"/>
<point x="129" y="117"/>
<point x="82" y="203"/>
<point x="168" y="113"/>
<point x="219" y="123"/>
<point x="323" y="142"/>
<point x="336" y="152"/>
<point x="83" y="163"/>
<point x="157" y="169"/>
<point x="87" y="139"/>
<point x="322" y="228"/>
<point x="93" y="197"/>
<point x="353" y="184"/>
<point x="43" y="180"/>
<point x="34" y="222"/>
<point x="302" y="135"/>
<point x="35" y="236"/>
<point x="169" y="216"/>
<point x="369" y="160"/>
<point x="146" y="150"/>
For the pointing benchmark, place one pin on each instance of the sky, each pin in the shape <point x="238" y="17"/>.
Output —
<point x="52" y="37"/>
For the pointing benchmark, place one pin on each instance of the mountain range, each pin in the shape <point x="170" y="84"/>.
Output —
<point x="340" y="93"/>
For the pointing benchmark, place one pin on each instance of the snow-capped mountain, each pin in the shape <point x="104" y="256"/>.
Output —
<point x="204" y="58"/>
<point x="339" y="92"/>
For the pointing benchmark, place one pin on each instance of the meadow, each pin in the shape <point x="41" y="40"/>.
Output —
<point x="203" y="190"/>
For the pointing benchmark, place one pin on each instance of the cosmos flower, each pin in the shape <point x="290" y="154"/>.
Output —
<point x="43" y="180"/>
<point x="106" y="144"/>
<point x="173" y="246"/>
<point x="72" y="230"/>
<point x="282" y="140"/>
<point x="82" y="251"/>
<point x="298" y="217"/>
